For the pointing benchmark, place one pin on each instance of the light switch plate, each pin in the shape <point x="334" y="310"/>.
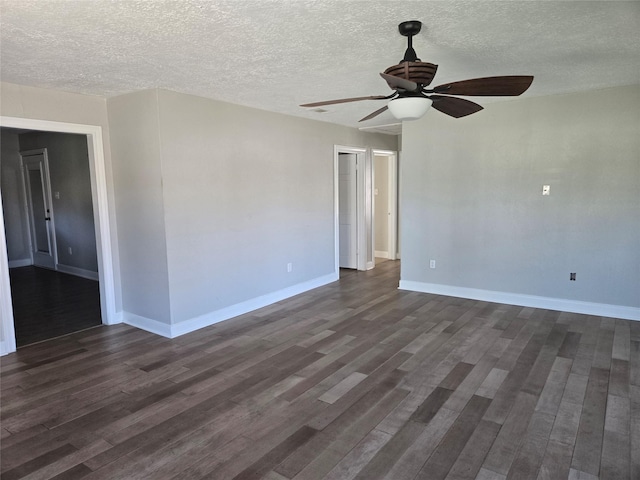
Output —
<point x="546" y="189"/>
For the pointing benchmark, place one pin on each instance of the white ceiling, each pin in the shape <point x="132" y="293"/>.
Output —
<point x="276" y="54"/>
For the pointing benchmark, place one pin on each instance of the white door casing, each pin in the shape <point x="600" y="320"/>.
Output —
<point x="37" y="188"/>
<point x="106" y="267"/>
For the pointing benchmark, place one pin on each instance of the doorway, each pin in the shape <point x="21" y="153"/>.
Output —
<point x="354" y="195"/>
<point x="385" y="194"/>
<point x="98" y="187"/>
<point x="47" y="236"/>
<point x="350" y="226"/>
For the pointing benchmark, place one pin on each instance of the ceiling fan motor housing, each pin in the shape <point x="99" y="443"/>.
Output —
<point x="418" y="72"/>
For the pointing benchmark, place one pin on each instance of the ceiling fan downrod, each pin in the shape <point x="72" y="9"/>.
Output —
<point x="409" y="29"/>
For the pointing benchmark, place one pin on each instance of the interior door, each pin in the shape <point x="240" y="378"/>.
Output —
<point x="39" y="208"/>
<point x="347" y="210"/>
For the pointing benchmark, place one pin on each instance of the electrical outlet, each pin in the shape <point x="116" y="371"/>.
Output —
<point x="289" y="267"/>
<point x="432" y="264"/>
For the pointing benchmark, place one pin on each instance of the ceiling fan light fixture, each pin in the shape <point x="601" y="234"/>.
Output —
<point x="409" y="108"/>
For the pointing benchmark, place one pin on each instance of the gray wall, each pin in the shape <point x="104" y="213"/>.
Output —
<point x="73" y="210"/>
<point x="137" y="171"/>
<point x="13" y="200"/>
<point x="239" y="192"/>
<point x="471" y="198"/>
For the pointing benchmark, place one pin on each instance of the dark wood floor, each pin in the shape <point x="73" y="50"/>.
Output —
<point x="355" y="380"/>
<point x="48" y="304"/>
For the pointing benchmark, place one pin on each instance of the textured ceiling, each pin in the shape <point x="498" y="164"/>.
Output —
<point x="276" y="54"/>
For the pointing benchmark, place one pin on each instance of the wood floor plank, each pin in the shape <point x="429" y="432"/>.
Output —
<point x="492" y="383"/>
<point x="619" y="378"/>
<point x="604" y="347"/>
<point x="621" y="341"/>
<point x="299" y="459"/>
<point x="445" y="455"/>
<point x="567" y="422"/>
<point x="588" y="447"/>
<point x="359" y="456"/>
<point x="486" y="474"/>
<point x="411" y="461"/>
<point x="334" y="394"/>
<point x="584" y="358"/>
<point x="432" y="404"/>
<point x="74" y="473"/>
<point x="615" y="456"/>
<point x="469" y="461"/>
<point x="389" y="454"/>
<point x="634" y="363"/>
<point x="353" y="380"/>
<point x="277" y="454"/>
<point x="508" y="441"/>
<point x="553" y="389"/>
<point x="338" y="456"/>
<point x="580" y="475"/>
<point x="38" y="462"/>
<point x="570" y="345"/>
<point x="215" y="464"/>
<point x="556" y="461"/>
<point x="634" y="430"/>
<point x="386" y="376"/>
<point x="70" y="465"/>
<point x="474" y="380"/>
<point x="526" y="464"/>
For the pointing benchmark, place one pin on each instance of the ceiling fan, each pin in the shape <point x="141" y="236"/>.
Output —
<point x="410" y="78"/>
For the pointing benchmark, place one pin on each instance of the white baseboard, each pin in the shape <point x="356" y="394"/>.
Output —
<point x="549" y="303"/>
<point x="24" y="262"/>
<point x="115" y="318"/>
<point x="78" y="272"/>
<point x="188" y="326"/>
<point x="380" y="254"/>
<point x="148" y="324"/>
<point x="248" y="306"/>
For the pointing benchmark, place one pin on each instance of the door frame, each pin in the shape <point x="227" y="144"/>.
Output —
<point x="104" y="244"/>
<point x="392" y="196"/>
<point x="28" y="203"/>
<point x="362" y="205"/>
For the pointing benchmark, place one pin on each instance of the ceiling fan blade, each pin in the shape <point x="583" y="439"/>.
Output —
<point x="454" y="107"/>
<point x="506" y="86"/>
<point x="374" y="114"/>
<point x="397" y="82"/>
<point x="344" y="100"/>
